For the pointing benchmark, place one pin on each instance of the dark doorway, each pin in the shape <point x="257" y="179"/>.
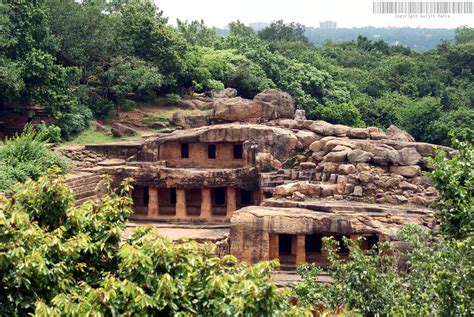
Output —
<point x="146" y="195"/>
<point x="372" y="242"/>
<point x="219" y="207"/>
<point x="172" y="196"/>
<point x="313" y="243"/>
<point x="219" y="195"/>
<point x="237" y="151"/>
<point x="284" y="244"/>
<point x="245" y="197"/>
<point x="211" y="151"/>
<point x="184" y="150"/>
<point x="140" y="199"/>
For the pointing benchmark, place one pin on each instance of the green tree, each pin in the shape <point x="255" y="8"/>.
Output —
<point x="196" y="33"/>
<point x="281" y="31"/>
<point x="36" y="76"/>
<point x="238" y="28"/>
<point x="131" y="76"/>
<point x="142" y="31"/>
<point x="454" y="179"/>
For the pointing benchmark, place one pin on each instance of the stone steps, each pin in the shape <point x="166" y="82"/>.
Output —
<point x="84" y="187"/>
<point x="79" y="202"/>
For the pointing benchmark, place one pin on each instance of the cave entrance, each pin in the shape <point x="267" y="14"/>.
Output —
<point x="167" y="201"/>
<point x="193" y="201"/>
<point x="219" y="201"/>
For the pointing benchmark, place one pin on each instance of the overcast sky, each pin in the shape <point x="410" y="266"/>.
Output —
<point x="347" y="13"/>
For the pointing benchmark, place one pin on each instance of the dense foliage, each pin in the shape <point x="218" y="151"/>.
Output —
<point x="79" y="58"/>
<point x="61" y="260"/>
<point x="26" y="156"/>
<point x="433" y="278"/>
<point x="454" y="179"/>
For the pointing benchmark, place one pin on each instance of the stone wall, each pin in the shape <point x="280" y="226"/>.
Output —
<point x="115" y="150"/>
<point x="198" y="155"/>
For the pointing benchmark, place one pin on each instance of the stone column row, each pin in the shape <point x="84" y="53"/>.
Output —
<point x="206" y="203"/>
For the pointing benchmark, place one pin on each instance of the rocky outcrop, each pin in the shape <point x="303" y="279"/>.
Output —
<point x="268" y="105"/>
<point x="242" y="110"/>
<point x="226" y="93"/>
<point x="187" y="121"/>
<point x="395" y="133"/>
<point x="284" y="104"/>
<point x="120" y="130"/>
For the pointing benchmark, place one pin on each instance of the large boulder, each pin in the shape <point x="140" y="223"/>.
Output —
<point x="395" y="133"/>
<point x="409" y="156"/>
<point x="243" y="110"/>
<point x="226" y="93"/>
<point x="187" y="104"/>
<point x="183" y="120"/>
<point x="303" y="187"/>
<point x="120" y="130"/>
<point x="283" y="102"/>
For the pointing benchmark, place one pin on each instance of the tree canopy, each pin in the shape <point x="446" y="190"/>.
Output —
<point x="80" y="58"/>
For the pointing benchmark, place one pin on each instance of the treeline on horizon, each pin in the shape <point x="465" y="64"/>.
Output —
<point x="80" y="60"/>
<point x="420" y="39"/>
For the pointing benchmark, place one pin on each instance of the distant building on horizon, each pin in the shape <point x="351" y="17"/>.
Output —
<point x="328" y="25"/>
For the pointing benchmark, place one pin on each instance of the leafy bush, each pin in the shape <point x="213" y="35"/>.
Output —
<point x="26" y="156"/>
<point x="437" y="281"/>
<point x="215" y="84"/>
<point x="53" y="133"/>
<point x="346" y="114"/>
<point x="173" y="99"/>
<point x="454" y="179"/>
<point x="129" y="105"/>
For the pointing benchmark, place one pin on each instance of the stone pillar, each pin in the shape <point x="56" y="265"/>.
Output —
<point x="206" y="204"/>
<point x="180" y="203"/>
<point x="153" y="202"/>
<point x="231" y="201"/>
<point x="300" y="249"/>
<point x="256" y="197"/>
<point x="294" y="244"/>
<point x="273" y="246"/>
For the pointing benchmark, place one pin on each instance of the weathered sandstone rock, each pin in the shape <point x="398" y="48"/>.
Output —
<point x="240" y="110"/>
<point x="120" y="130"/>
<point x="283" y="102"/>
<point x="395" y="133"/>
<point x="407" y="171"/>
<point x="226" y="93"/>
<point x="359" y="156"/>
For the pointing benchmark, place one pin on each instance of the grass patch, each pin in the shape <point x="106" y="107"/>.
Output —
<point x="91" y="136"/>
<point x="150" y="119"/>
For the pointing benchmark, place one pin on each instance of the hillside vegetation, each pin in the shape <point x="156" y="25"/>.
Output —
<point x="82" y="59"/>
